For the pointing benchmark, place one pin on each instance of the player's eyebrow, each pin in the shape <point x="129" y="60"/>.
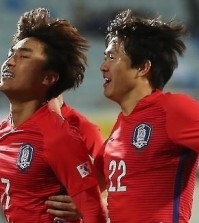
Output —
<point x="22" y="49"/>
<point x="25" y="49"/>
<point x="108" y="52"/>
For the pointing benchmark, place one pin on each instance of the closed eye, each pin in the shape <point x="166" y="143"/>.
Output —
<point x="111" y="56"/>
<point x="24" y="56"/>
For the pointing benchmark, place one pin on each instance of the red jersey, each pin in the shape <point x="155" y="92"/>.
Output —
<point x="89" y="132"/>
<point x="150" y="161"/>
<point x="37" y="159"/>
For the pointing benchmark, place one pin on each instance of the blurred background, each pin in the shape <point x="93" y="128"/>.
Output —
<point x="91" y="17"/>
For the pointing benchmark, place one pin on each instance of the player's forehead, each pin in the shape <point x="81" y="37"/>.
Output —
<point x="29" y="45"/>
<point x="115" y="46"/>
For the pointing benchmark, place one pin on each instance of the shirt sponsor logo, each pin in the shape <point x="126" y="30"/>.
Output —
<point x="84" y="169"/>
<point x="141" y="135"/>
<point x="25" y="157"/>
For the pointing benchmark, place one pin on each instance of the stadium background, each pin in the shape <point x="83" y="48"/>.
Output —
<point x="91" y="18"/>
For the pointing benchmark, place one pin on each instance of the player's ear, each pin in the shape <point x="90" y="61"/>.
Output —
<point x="50" y="78"/>
<point x="144" y="68"/>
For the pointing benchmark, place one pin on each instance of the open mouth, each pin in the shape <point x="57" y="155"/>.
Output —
<point x="107" y="80"/>
<point x="7" y="74"/>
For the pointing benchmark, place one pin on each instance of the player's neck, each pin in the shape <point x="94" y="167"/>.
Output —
<point x="131" y="100"/>
<point x="22" y="111"/>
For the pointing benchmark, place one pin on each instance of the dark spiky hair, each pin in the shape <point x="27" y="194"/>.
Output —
<point x="64" y="46"/>
<point x="150" y="39"/>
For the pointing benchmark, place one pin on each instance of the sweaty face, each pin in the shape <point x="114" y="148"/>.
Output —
<point x="23" y="72"/>
<point x="119" y="76"/>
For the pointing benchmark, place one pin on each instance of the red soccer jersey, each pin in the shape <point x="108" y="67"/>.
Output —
<point x="151" y="161"/>
<point x="90" y="132"/>
<point x="37" y="159"/>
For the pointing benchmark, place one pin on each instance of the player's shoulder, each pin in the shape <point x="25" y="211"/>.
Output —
<point x="184" y="99"/>
<point x="58" y="133"/>
<point x="179" y="102"/>
<point x="49" y="121"/>
<point x="86" y="128"/>
<point x="74" y="117"/>
<point x="68" y="111"/>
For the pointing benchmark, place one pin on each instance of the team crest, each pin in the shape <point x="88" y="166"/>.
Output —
<point x="141" y="136"/>
<point x="25" y="157"/>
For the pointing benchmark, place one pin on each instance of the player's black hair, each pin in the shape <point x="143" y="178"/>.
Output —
<point x="149" y="39"/>
<point x="64" y="47"/>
